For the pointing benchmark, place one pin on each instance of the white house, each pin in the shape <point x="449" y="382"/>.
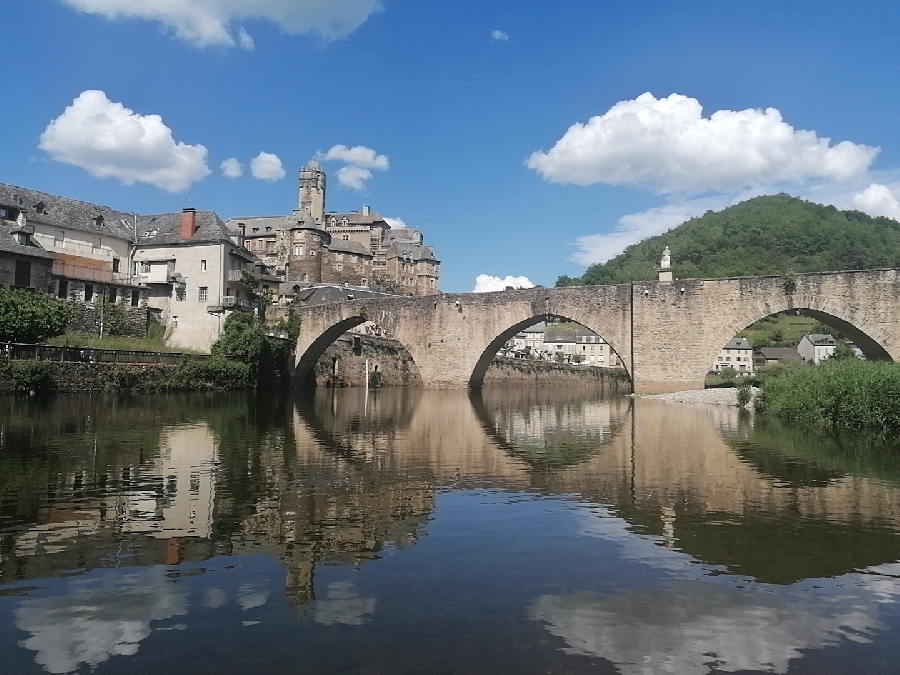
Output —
<point x="196" y="274"/>
<point x="579" y="345"/>
<point x="737" y="354"/>
<point x="816" y="347"/>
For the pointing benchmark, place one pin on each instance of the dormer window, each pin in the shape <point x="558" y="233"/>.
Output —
<point x="344" y="221"/>
<point x="98" y="220"/>
<point x="333" y="221"/>
<point x="40" y="207"/>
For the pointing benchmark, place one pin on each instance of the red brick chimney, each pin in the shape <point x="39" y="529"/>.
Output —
<point x="188" y="223"/>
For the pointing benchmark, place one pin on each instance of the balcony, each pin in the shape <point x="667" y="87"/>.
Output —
<point x="95" y="274"/>
<point x="158" y="274"/>
<point x="80" y="248"/>
<point x="238" y="277"/>
<point x="230" y="302"/>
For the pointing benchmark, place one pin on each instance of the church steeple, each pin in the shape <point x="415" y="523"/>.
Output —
<point x="312" y="192"/>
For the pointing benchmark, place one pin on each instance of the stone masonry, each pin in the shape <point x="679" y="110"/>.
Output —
<point x="665" y="332"/>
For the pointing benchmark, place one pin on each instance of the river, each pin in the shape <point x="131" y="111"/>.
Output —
<point x="401" y="531"/>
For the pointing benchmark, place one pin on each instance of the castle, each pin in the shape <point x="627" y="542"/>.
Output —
<point x="354" y="249"/>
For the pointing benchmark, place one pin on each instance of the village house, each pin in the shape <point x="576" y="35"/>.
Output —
<point x="195" y="275"/>
<point x="816" y="347"/>
<point x="737" y="355"/>
<point x="766" y="356"/>
<point x="579" y="345"/>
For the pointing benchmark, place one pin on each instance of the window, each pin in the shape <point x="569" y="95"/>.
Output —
<point x="345" y="237"/>
<point x="63" y="290"/>
<point x="179" y="293"/>
<point x="135" y="298"/>
<point x="23" y="274"/>
<point x="88" y="292"/>
<point x="175" y="322"/>
<point x="113" y="294"/>
<point x="202" y="293"/>
<point x="115" y="264"/>
<point x="145" y="267"/>
<point x="202" y="265"/>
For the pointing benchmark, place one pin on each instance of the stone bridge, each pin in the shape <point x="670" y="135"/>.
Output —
<point x="667" y="333"/>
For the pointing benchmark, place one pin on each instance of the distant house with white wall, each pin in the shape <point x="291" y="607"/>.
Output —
<point x="579" y="345"/>
<point x="736" y="354"/>
<point x="530" y="339"/>
<point x="196" y="274"/>
<point x="816" y="347"/>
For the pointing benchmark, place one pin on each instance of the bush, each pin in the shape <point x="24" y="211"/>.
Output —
<point x="217" y="373"/>
<point x="29" y="316"/>
<point x="846" y="394"/>
<point x="744" y="394"/>
<point x="31" y="377"/>
<point x="243" y="338"/>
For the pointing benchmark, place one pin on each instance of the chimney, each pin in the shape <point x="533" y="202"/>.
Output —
<point x="188" y="223"/>
<point x="367" y="209"/>
<point x="242" y="234"/>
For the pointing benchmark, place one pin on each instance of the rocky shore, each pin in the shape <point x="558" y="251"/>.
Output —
<point x="723" y="396"/>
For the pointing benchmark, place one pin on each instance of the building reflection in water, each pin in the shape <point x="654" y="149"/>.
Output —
<point x="344" y="475"/>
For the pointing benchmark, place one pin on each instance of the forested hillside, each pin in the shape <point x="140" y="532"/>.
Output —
<point x="764" y="235"/>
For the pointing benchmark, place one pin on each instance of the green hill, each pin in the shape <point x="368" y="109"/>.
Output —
<point x="764" y="235"/>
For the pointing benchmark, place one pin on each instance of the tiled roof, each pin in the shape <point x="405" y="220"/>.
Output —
<point x="355" y="219"/>
<point x="778" y="353"/>
<point x="68" y="213"/>
<point x="9" y="244"/>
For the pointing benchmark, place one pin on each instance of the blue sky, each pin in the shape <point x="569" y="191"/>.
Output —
<point x="462" y="115"/>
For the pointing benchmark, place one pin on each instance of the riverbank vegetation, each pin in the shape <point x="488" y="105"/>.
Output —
<point x="26" y="316"/>
<point x="840" y="393"/>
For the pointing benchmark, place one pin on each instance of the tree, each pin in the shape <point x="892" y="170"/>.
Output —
<point x="842" y="352"/>
<point x="29" y="316"/>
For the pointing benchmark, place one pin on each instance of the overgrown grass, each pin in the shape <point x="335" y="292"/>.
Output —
<point x="844" y="394"/>
<point x="152" y="343"/>
<point x="217" y="374"/>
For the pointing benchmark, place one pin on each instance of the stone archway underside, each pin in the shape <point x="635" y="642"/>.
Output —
<point x="666" y="333"/>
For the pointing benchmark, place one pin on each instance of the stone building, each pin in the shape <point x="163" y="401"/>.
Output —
<point x="90" y="246"/>
<point x="353" y="249"/>
<point x="23" y="264"/>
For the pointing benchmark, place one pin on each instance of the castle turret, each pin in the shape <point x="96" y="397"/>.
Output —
<point x="312" y="192"/>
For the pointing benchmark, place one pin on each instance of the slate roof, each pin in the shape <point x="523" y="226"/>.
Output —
<point x="275" y="223"/>
<point x="165" y="229"/>
<point x="411" y="251"/>
<point x="821" y="339"/>
<point x="68" y="213"/>
<point x="403" y="234"/>
<point x="342" y="246"/>
<point x="738" y="343"/>
<point x="9" y="243"/>
<point x="355" y="219"/>
<point x="317" y="295"/>
<point x="567" y="334"/>
<point x="779" y="353"/>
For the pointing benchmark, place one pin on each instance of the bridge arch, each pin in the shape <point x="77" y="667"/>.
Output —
<point x="323" y="336"/>
<point x="476" y="379"/>
<point x="850" y="321"/>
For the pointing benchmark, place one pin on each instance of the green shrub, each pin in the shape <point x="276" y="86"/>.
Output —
<point x="31" y="377"/>
<point x="744" y="394"/>
<point x="847" y="394"/>
<point x="217" y="373"/>
<point x="30" y="316"/>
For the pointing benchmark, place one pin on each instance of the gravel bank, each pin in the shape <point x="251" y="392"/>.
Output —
<point x="708" y="396"/>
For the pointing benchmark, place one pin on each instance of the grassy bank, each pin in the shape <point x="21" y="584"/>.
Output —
<point x="844" y="394"/>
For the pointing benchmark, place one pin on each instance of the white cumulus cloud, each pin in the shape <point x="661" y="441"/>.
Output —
<point x="266" y="166"/>
<point x="206" y="23"/>
<point x="878" y="200"/>
<point x="499" y="36"/>
<point x="231" y="168"/>
<point x="111" y="141"/>
<point x="668" y="146"/>
<point x="395" y="223"/>
<point x="485" y="283"/>
<point x="359" y="162"/>
<point x="358" y="155"/>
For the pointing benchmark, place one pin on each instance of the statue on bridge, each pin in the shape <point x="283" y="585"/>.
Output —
<point x="666" y="262"/>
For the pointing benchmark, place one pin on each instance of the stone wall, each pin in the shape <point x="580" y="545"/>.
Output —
<point x="40" y="270"/>
<point x="90" y="378"/>
<point x="505" y="372"/>
<point x="124" y="319"/>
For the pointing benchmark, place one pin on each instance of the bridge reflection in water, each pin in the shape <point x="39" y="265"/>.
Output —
<point x="754" y="543"/>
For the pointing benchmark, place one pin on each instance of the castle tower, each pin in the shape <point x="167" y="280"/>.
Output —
<point x="312" y="192"/>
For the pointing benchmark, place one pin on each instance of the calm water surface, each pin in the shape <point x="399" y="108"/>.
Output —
<point x="433" y="532"/>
